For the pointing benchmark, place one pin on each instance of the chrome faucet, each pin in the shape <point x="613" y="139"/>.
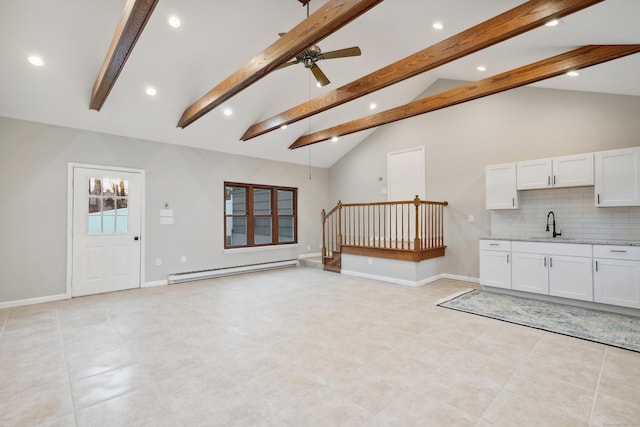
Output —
<point x="553" y="224"/>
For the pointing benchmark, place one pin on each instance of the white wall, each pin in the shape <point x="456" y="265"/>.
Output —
<point x="522" y="124"/>
<point x="33" y="203"/>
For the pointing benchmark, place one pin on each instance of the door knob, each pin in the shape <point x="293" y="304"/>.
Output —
<point x="136" y="238"/>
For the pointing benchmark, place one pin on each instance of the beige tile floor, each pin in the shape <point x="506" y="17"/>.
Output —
<point x="299" y="347"/>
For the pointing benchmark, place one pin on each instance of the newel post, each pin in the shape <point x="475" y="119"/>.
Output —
<point x="416" y="241"/>
<point x="339" y="224"/>
<point x="324" y="244"/>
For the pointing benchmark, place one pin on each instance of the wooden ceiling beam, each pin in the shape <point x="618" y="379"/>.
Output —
<point x="134" y="18"/>
<point x="582" y="57"/>
<point x="516" y="21"/>
<point x="328" y="19"/>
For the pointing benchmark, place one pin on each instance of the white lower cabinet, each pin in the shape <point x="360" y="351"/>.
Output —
<point x="571" y="277"/>
<point x="608" y="274"/>
<point x="495" y="263"/>
<point x="558" y="269"/>
<point x="616" y="277"/>
<point x="530" y="273"/>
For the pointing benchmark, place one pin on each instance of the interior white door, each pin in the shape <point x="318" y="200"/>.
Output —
<point x="106" y="231"/>
<point x="405" y="174"/>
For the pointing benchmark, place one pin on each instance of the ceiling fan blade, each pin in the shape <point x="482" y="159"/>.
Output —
<point x="321" y="78"/>
<point x="341" y="53"/>
<point x="286" y="64"/>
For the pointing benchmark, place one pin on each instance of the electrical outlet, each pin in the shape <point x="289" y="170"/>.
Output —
<point x="370" y="261"/>
<point x="183" y="259"/>
<point x="471" y="218"/>
<point x="158" y="261"/>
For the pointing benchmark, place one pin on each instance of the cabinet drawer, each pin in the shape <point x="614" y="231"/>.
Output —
<point x="567" y="249"/>
<point x="495" y="245"/>
<point x="616" y="252"/>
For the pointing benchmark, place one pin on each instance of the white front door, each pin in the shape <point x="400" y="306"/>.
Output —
<point x="106" y="230"/>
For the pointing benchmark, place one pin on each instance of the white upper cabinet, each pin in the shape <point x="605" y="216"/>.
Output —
<point x="500" y="183"/>
<point x="617" y="179"/>
<point x="557" y="172"/>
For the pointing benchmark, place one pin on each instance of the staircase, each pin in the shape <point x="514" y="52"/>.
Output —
<point x="410" y="230"/>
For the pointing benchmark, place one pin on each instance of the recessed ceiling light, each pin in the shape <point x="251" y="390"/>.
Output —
<point x="552" y="23"/>
<point x="227" y="111"/>
<point x="573" y="74"/>
<point x="283" y="127"/>
<point x="174" y="21"/>
<point x="481" y="68"/>
<point x="36" y="60"/>
<point x="438" y="25"/>
<point x="318" y="84"/>
<point x="151" y="91"/>
<point x="373" y="106"/>
<point x="334" y="139"/>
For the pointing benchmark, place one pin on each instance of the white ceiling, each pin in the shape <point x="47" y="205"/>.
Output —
<point x="217" y="37"/>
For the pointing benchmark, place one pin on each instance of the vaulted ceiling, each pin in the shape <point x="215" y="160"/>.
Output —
<point x="217" y="37"/>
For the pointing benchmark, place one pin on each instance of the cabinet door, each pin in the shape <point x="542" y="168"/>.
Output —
<point x="617" y="177"/>
<point x="534" y="174"/>
<point x="570" y="277"/>
<point x="495" y="269"/>
<point x="573" y="171"/>
<point x="617" y="282"/>
<point x="500" y="186"/>
<point x="529" y="273"/>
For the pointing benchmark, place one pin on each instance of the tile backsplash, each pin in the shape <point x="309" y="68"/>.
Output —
<point x="576" y="216"/>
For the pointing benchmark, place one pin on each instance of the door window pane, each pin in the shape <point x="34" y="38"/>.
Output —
<point x="104" y="206"/>
<point x="262" y="230"/>
<point x="108" y="224"/>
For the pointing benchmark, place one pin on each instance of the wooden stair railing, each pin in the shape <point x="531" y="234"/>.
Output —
<point x="407" y="230"/>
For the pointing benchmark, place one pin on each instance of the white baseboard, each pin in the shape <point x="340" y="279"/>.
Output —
<point x="313" y="255"/>
<point x="156" y="283"/>
<point x="409" y="282"/>
<point x="380" y="278"/>
<point x="31" y="301"/>
<point x="462" y="278"/>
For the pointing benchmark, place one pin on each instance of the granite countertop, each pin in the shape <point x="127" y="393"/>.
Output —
<point x="564" y="240"/>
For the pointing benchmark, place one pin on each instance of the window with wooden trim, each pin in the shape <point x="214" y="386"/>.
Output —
<point x="259" y="215"/>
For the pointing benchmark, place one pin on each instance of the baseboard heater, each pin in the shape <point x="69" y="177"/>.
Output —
<point x="227" y="271"/>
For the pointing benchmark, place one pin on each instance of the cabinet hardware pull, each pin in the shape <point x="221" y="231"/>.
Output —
<point x="554" y="180"/>
<point x="550" y="262"/>
<point x="513" y="201"/>
<point x="549" y="180"/>
<point x="545" y="261"/>
<point x="507" y="258"/>
<point x="596" y="266"/>
<point x="598" y="198"/>
<point x="494" y="244"/>
<point x="618" y="251"/>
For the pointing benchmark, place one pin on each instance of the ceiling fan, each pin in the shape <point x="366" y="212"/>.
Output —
<point x="313" y="54"/>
